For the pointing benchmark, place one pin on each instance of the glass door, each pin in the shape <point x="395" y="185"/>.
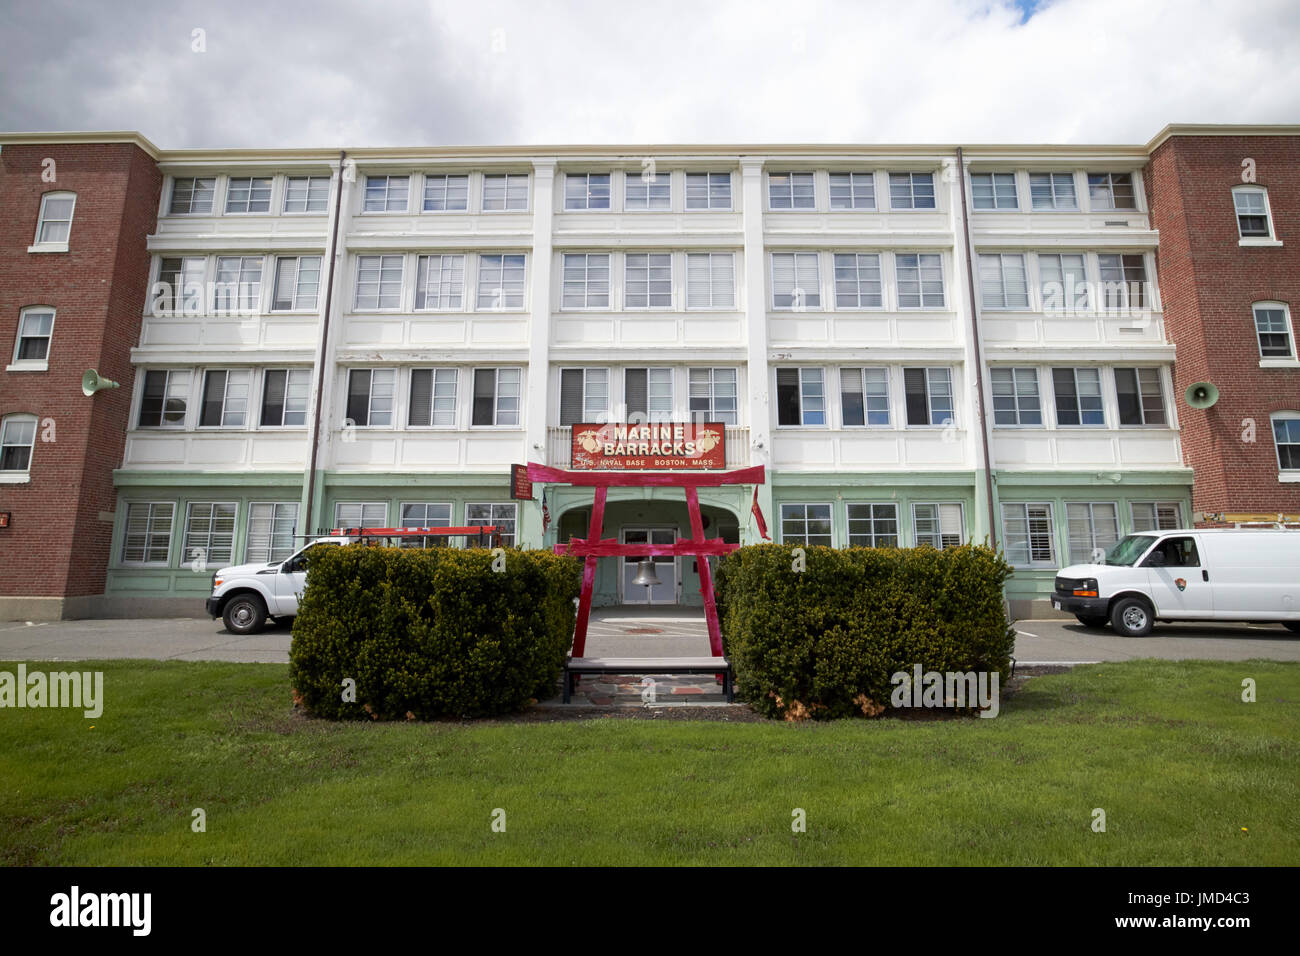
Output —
<point x="665" y="592"/>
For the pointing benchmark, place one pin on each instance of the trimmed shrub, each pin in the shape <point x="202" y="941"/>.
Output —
<point x="824" y="642"/>
<point x="431" y="633"/>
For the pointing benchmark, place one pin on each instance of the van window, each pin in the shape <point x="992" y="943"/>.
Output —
<point x="1178" y="553"/>
<point x="1125" y="552"/>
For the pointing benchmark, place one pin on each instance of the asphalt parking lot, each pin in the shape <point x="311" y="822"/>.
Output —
<point x="627" y="633"/>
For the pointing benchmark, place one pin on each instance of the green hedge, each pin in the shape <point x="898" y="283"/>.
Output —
<point x="825" y="642"/>
<point x="431" y="633"/>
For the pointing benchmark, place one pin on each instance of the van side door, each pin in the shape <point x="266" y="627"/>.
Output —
<point x="1178" y="578"/>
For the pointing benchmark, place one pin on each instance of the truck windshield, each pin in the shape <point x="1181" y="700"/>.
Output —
<point x="1128" y="549"/>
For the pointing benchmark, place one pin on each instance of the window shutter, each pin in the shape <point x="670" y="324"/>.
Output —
<point x="421" y="407"/>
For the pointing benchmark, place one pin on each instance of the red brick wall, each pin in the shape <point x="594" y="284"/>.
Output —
<point x="56" y="544"/>
<point x="1208" y="283"/>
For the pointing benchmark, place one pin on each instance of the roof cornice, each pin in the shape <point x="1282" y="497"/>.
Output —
<point x="1222" y="129"/>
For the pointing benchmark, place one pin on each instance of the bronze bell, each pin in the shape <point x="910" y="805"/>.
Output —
<point x="645" y="573"/>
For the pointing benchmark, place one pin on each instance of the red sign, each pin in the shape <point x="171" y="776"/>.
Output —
<point x="662" y="446"/>
<point x="521" y="489"/>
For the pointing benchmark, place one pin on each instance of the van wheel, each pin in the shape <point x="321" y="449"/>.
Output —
<point x="1093" y="620"/>
<point x="1132" y="617"/>
<point x="1292" y="626"/>
<point x="244" y="614"/>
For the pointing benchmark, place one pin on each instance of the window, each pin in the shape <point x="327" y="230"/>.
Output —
<point x="710" y="280"/>
<point x="1004" y="283"/>
<point x="440" y="282"/>
<point x="17" y="438"/>
<point x="192" y="197"/>
<point x="853" y="190"/>
<point x="806" y="524"/>
<point x="800" y="397"/>
<point x="586" y="191"/>
<point x="493" y="515"/>
<point x="1063" y="282"/>
<point x="386" y="193"/>
<point x="1078" y="396"/>
<point x="911" y="191"/>
<point x="938" y="525"/>
<point x="1273" y="329"/>
<point x="505" y="192"/>
<point x="35" y="328"/>
<point x="864" y="396"/>
<point x="1027" y="535"/>
<point x="648" y="393"/>
<point x="586" y="281"/>
<point x="270" y="531"/>
<point x="858" y="280"/>
<point x="646" y="191"/>
<point x="446" y="193"/>
<point x="297" y="283"/>
<point x="708" y="190"/>
<point x="790" y="191"/>
<point x="713" y="395"/>
<point x="1123" y="281"/>
<point x="496" y="396"/>
<point x="180" y="286"/>
<point x="1178" y="553"/>
<point x="796" y="281"/>
<point x="584" y="395"/>
<point x="1286" y="435"/>
<point x="360" y="514"/>
<point x="501" y="282"/>
<point x="306" y="194"/>
<point x="433" y="397"/>
<point x="1092" y="529"/>
<point x="370" y="396"/>
<point x="420" y="514"/>
<point x="993" y="191"/>
<point x="920" y="280"/>
<point x="239" y="285"/>
<point x="1015" y="396"/>
<point x="1052" y="191"/>
<point x="929" y="395"/>
<point x="873" y="526"/>
<point x="163" y="400"/>
<point x="148" y="533"/>
<point x="1141" y="399"/>
<point x="284" y="397"/>
<point x="649" y="280"/>
<point x="225" y="398"/>
<point x="1156" y="515"/>
<point x="379" y="282"/>
<point x="209" y="532"/>
<point x="250" y="194"/>
<point x="54" y="223"/>
<point x="1111" y="191"/>
<point x="1251" y="205"/>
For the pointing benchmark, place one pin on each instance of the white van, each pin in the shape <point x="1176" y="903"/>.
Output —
<point x="1218" y="574"/>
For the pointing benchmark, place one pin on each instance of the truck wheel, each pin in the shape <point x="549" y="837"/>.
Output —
<point x="1132" y="617"/>
<point x="244" y="614"/>
<point x="1093" y="620"/>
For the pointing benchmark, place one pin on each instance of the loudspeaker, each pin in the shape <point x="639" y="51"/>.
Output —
<point x="92" y="382"/>
<point x="1201" y="394"/>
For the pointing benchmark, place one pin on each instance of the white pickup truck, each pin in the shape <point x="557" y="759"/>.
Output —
<point x="245" y="595"/>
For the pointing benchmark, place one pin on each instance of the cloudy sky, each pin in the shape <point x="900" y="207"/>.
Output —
<point x="392" y="72"/>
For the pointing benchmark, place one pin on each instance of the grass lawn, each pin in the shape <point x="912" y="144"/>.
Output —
<point x="1178" y="762"/>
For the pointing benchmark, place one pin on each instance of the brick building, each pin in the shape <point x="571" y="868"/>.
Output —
<point x="75" y="215"/>
<point x="1227" y="204"/>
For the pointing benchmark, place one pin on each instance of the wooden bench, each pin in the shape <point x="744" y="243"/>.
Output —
<point x="648" y="665"/>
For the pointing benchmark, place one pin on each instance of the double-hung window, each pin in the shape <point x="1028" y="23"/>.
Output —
<point x="648" y="280"/>
<point x="710" y="280"/>
<point x="1053" y="191"/>
<point x="800" y="396"/>
<point x="648" y="191"/>
<point x="937" y="524"/>
<point x="790" y="191"/>
<point x="853" y="191"/>
<point x="501" y="281"/>
<point x="1251" y="205"/>
<point x="1004" y="283"/>
<point x="713" y="395"/>
<point x="586" y="280"/>
<point x="35" y="329"/>
<point x="586" y="191"/>
<point x="858" y="280"/>
<point x="584" y="395"/>
<point x="873" y="525"/>
<point x="370" y="396"/>
<point x="708" y="190"/>
<point x="17" y="439"/>
<point x="920" y="280"/>
<point x="238" y="288"/>
<point x="648" y="394"/>
<point x="497" y="393"/>
<point x="387" y="194"/>
<point x="1141" y="397"/>
<point x="297" y="283"/>
<point x="148" y="533"/>
<point x="500" y="515"/>
<point x="433" y="397"/>
<point x="1078" y="396"/>
<point x="1286" y="436"/>
<point x="505" y="192"/>
<point x="440" y="282"/>
<point x="796" y="281"/>
<point x="379" y="282"/>
<point x="225" y="398"/>
<point x="446" y="192"/>
<point x="1063" y="282"/>
<point x="993" y="191"/>
<point x="192" y="196"/>
<point x="1015" y="396"/>
<point x="864" y="396"/>
<point x="1111" y="191"/>
<point x="54" y="223"/>
<point x="911" y="191"/>
<point x="361" y="514"/>
<point x="929" y="395"/>
<point x="1092" y="528"/>
<point x="306" y="194"/>
<point x="164" y="398"/>
<point x="1273" y="330"/>
<point x="209" y="532"/>
<point x="425" y="514"/>
<point x="1028" y="534"/>
<point x="806" y="524"/>
<point x="285" y="392"/>
<point x="1123" y="281"/>
<point x="1156" y="515"/>
<point x="248" y="194"/>
<point x="270" y="531"/>
<point x="179" y="289"/>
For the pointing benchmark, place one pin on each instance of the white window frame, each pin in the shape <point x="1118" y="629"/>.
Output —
<point x="43" y="219"/>
<point x="206" y="553"/>
<point x="194" y="184"/>
<point x="443" y="181"/>
<point x="711" y="259"/>
<point x="666" y="376"/>
<point x="512" y="507"/>
<point x="1057" y="192"/>
<point x="1155" y="507"/>
<point x="1074" y="371"/>
<point x="858" y="282"/>
<point x="306" y="200"/>
<point x="510" y="184"/>
<point x="1285" y="474"/>
<point x="389" y="191"/>
<point x="1109" y="262"/>
<point x="1082" y="293"/>
<point x="484" y="262"/>
<point x="230" y="374"/>
<point x="872" y="520"/>
<point x="571" y="197"/>
<point x="448" y="289"/>
<point x="713" y="414"/>
<point x="183" y="387"/>
<point x="939" y="506"/>
<point x="1137" y="371"/>
<point x="930" y="394"/>
<point x="442" y="375"/>
<point x="976" y="180"/>
<point x="809" y="377"/>
<point x="592" y="408"/>
<point x="860" y="185"/>
<point x="992" y="269"/>
<point x="1289" y="332"/>
<point x="150" y="518"/>
<point x="921" y="266"/>
<point x="1018" y="394"/>
<point x="650" y="292"/>
<point x="253" y="189"/>
<point x="708" y="192"/>
<point x="911" y="198"/>
<point x="1243" y="240"/>
<point x="41" y="364"/>
<point x="588" y="288"/>
<point x="1106" y="187"/>
<point x="246" y="296"/>
<point x="18" y="419"/>
<point x="858" y="375"/>
<point x="798" y="262"/>
<point x="370" y="397"/>
<point x="639" y="182"/>
<point x="254" y="553"/>
<point x="362" y="521"/>
<point x="783" y="185"/>
<point x="424" y="521"/>
<point x="383" y="264"/>
<point x="295" y="305"/>
<point x="497" y="412"/>
<point x="1094" y="534"/>
<point x="1023" y="508"/>
<point x="289" y="375"/>
<point x="804" y="519"/>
